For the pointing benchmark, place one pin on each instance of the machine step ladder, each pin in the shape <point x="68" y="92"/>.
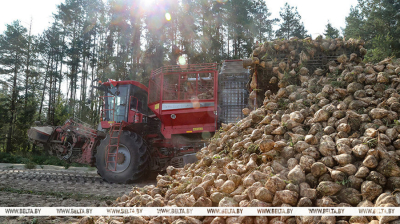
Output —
<point x="112" y="157"/>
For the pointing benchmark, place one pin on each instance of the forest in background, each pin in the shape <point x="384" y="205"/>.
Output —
<point x="47" y="77"/>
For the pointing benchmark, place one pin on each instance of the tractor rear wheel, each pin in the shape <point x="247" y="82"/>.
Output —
<point x="131" y="163"/>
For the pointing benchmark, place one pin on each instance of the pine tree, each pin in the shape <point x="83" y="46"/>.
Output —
<point x="13" y="47"/>
<point x="290" y="23"/>
<point x="262" y="25"/>
<point x="330" y="31"/>
<point x="3" y="115"/>
<point x="376" y="21"/>
<point x="71" y="16"/>
<point x="239" y="24"/>
<point x="188" y="30"/>
<point x="355" y="24"/>
<point x="301" y="32"/>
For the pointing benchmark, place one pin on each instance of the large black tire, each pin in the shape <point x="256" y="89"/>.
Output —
<point x="133" y="148"/>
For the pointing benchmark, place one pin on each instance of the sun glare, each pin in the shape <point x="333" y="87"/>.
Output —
<point x="182" y="60"/>
<point x="167" y="16"/>
<point x="147" y="4"/>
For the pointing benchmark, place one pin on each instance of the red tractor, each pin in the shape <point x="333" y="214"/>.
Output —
<point x="152" y="128"/>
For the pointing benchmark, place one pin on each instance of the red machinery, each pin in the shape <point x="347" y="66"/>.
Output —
<point x="185" y="99"/>
<point x="165" y="124"/>
<point x="156" y="128"/>
<point x="64" y="140"/>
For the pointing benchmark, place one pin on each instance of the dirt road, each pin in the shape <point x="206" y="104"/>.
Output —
<point x="52" y="186"/>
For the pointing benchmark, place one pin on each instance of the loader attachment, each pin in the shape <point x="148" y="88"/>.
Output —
<point x="75" y="141"/>
<point x="40" y="134"/>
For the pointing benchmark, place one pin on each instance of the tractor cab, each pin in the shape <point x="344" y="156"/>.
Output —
<point x="124" y="101"/>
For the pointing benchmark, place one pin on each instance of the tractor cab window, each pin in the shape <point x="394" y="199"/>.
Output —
<point x="116" y="103"/>
<point x="138" y="100"/>
<point x="136" y="104"/>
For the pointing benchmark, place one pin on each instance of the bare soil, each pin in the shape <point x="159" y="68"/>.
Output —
<point x="51" y="186"/>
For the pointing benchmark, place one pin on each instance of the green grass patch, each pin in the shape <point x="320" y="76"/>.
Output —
<point x="64" y="195"/>
<point x="30" y="165"/>
<point x="31" y="160"/>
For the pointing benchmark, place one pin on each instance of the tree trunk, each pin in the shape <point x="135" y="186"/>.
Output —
<point x="92" y="65"/>
<point x="44" y="88"/>
<point x="61" y="67"/>
<point x="49" y="119"/>
<point x="27" y="68"/>
<point x="13" y="107"/>
<point x="74" y="71"/>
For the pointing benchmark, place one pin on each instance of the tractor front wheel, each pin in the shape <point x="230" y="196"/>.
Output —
<point x="132" y="160"/>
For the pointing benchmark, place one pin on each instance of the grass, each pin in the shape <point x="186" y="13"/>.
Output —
<point x="216" y="157"/>
<point x="372" y="143"/>
<point x="282" y="104"/>
<point x="31" y="160"/>
<point x="291" y="144"/>
<point x="344" y="182"/>
<point x="253" y="148"/>
<point x="339" y="84"/>
<point x="306" y="103"/>
<point x="64" y="195"/>
<point x="30" y="165"/>
<point x="217" y="134"/>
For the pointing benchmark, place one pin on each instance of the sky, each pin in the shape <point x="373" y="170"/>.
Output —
<point x="315" y="13"/>
<point x="40" y="11"/>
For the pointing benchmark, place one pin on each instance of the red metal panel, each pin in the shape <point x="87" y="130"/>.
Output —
<point x="135" y="83"/>
<point x="104" y="111"/>
<point x="189" y="118"/>
<point x="187" y="111"/>
<point x="185" y="68"/>
<point x="216" y="97"/>
<point x="133" y="115"/>
<point x="161" y="95"/>
<point x="152" y="107"/>
<point x="179" y="86"/>
<point x="233" y="60"/>
<point x="169" y="131"/>
<point x="186" y="101"/>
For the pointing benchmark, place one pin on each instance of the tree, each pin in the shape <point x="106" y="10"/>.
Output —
<point x="330" y="31"/>
<point x="188" y="29"/>
<point x="71" y="15"/>
<point x="354" y="24"/>
<point x="375" y="21"/>
<point x="381" y="48"/>
<point x="290" y="23"/>
<point x="301" y="32"/>
<point x="239" y="22"/>
<point x="262" y="25"/>
<point x="156" y="37"/>
<point x="3" y="115"/>
<point x="13" y="47"/>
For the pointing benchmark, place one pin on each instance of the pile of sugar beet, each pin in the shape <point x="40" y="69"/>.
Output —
<point x="332" y="140"/>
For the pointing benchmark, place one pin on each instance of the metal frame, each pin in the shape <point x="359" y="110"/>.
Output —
<point x="103" y="110"/>
<point x="136" y="109"/>
<point x="185" y="68"/>
<point x="156" y="103"/>
<point x="110" y="146"/>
